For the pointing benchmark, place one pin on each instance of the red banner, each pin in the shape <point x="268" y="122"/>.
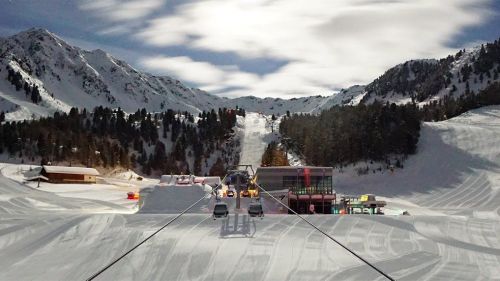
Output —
<point x="307" y="177"/>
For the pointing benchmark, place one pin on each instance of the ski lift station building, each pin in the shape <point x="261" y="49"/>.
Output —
<point x="304" y="186"/>
<point x="63" y="174"/>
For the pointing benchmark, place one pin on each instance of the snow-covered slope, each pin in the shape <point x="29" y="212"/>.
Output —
<point x="69" y="76"/>
<point x="455" y="171"/>
<point x="467" y="72"/>
<point x="47" y="237"/>
<point x="451" y="189"/>
<point x="312" y="104"/>
<point x="474" y="83"/>
<point x="350" y="96"/>
<point x="257" y="134"/>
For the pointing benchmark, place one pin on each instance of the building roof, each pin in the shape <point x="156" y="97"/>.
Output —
<point x="71" y="170"/>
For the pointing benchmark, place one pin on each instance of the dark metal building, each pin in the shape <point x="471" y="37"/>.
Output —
<point x="309" y="189"/>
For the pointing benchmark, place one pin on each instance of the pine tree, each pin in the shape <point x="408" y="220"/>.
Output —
<point x="17" y="81"/>
<point x="218" y="168"/>
<point x="27" y="89"/>
<point x="35" y="95"/>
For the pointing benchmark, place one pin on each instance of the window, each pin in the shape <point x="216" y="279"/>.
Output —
<point x="318" y="185"/>
<point x="289" y="181"/>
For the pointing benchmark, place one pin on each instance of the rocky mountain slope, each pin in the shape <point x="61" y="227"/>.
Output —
<point x="41" y="74"/>
<point x="424" y="81"/>
<point x="68" y="76"/>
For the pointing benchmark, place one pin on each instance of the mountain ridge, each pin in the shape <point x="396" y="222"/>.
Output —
<point x="424" y="81"/>
<point x="67" y="76"/>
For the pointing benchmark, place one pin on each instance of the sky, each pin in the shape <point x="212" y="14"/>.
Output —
<point x="264" y="48"/>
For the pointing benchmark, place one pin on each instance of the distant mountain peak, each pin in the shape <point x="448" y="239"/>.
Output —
<point x="37" y="30"/>
<point x="69" y="76"/>
<point x="37" y="34"/>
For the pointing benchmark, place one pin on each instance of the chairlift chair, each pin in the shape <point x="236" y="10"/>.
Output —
<point x="220" y="210"/>
<point x="255" y="210"/>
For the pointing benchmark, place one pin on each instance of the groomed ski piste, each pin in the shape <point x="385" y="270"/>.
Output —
<point x="450" y="188"/>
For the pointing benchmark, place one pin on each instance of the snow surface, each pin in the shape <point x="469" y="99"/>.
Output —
<point x="455" y="170"/>
<point x="257" y="134"/>
<point x="450" y="189"/>
<point x="109" y="195"/>
<point x="169" y="199"/>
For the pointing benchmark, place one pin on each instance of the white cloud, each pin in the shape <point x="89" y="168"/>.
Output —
<point x="121" y="10"/>
<point x="210" y="77"/>
<point x="231" y="80"/>
<point x="328" y="44"/>
<point x="198" y="72"/>
<point x="114" y="30"/>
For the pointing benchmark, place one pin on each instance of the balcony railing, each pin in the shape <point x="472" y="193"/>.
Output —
<point x="311" y="190"/>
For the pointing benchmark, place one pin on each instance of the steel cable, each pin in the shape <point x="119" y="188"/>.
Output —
<point x="327" y="235"/>
<point x="150" y="236"/>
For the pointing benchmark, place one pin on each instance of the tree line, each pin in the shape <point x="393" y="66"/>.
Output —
<point x="154" y="142"/>
<point x="347" y="134"/>
<point x="449" y="107"/>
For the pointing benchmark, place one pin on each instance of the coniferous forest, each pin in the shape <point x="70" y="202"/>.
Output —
<point x="449" y="107"/>
<point x="348" y="134"/>
<point x="177" y="142"/>
<point x="422" y="79"/>
<point x="160" y="142"/>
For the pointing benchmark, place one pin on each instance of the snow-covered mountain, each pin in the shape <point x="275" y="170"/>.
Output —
<point x="68" y="76"/>
<point x="312" y="104"/>
<point x="424" y="81"/>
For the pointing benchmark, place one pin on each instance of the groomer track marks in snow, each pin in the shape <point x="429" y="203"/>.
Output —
<point x="432" y="244"/>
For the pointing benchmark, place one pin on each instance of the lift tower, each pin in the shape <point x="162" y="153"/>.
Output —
<point x="242" y="176"/>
